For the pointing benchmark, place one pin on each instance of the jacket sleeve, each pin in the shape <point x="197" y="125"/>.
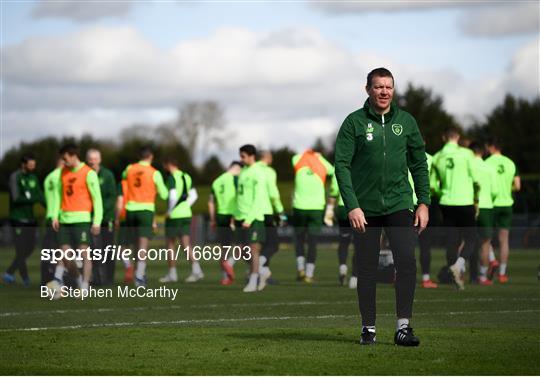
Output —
<point x="417" y="164"/>
<point x="345" y="149"/>
<point x="273" y="191"/>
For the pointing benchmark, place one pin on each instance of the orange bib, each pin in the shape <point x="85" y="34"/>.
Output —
<point x="310" y="159"/>
<point x="140" y="184"/>
<point x="75" y="194"/>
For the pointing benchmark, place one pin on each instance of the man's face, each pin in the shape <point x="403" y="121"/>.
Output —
<point x="246" y="158"/>
<point x="93" y="160"/>
<point x="168" y="167"/>
<point x="30" y="165"/>
<point x="235" y="170"/>
<point x="70" y="161"/>
<point x="381" y="92"/>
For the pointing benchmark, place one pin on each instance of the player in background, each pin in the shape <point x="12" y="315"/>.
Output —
<point x="143" y="183"/>
<point x="50" y="238"/>
<point x="424" y="238"/>
<point x="508" y="181"/>
<point x="454" y="169"/>
<point x="272" y="207"/>
<point x="221" y="207"/>
<point x="78" y="212"/>
<point x="103" y="273"/>
<point x="311" y="170"/>
<point x="182" y="195"/>
<point x="345" y="236"/>
<point x="249" y="216"/>
<point x="122" y="233"/>
<point x="24" y="192"/>
<point x="488" y="191"/>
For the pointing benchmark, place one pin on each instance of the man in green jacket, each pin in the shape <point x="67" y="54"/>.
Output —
<point x="24" y="192"/>
<point x="374" y="148"/>
<point x="103" y="273"/>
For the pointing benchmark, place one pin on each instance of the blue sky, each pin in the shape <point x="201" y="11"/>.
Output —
<point x="470" y="55"/>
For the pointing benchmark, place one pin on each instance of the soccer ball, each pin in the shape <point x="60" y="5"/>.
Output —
<point x="54" y="289"/>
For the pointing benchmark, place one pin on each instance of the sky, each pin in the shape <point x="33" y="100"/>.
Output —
<point x="285" y="72"/>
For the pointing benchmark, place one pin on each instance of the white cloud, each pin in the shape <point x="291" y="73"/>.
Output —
<point x="285" y="87"/>
<point x="81" y="11"/>
<point x="499" y="20"/>
<point x="479" y="19"/>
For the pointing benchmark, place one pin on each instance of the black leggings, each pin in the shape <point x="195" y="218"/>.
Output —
<point x="402" y="237"/>
<point x="459" y="224"/>
<point x="271" y="245"/>
<point x="24" y="238"/>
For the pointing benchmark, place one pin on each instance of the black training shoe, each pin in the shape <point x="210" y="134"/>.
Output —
<point x="368" y="337"/>
<point x="405" y="337"/>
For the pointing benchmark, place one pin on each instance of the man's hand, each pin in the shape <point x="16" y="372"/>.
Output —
<point x="154" y="226"/>
<point x="421" y="217"/>
<point x="55" y="225"/>
<point x="329" y="215"/>
<point x="246" y="225"/>
<point x="95" y="229"/>
<point x="358" y="220"/>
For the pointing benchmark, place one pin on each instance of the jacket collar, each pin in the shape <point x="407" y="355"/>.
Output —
<point x="375" y="116"/>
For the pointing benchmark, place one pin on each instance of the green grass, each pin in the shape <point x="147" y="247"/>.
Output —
<point x="287" y="329"/>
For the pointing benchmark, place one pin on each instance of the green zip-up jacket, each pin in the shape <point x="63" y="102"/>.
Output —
<point x="107" y="185"/>
<point x="373" y="156"/>
<point x="224" y="191"/>
<point x="274" y="199"/>
<point x="24" y="191"/>
<point x="251" y="194"/>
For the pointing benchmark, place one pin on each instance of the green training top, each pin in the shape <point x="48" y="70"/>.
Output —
<point x="453" y="166"/>
<point x="251" y="194"/>
<point x="274" y="199"/>
<point x="107" y="185"/>
<point x="487" y="181"/>
<point x="224" y="191"/>
<point x="429" y="160"/>
<point x="50" y="187"/>
<point x="309" y="189"/>
<point x="24" y="191"/>
<point x="506" y="171"/>
<point x="73" y="217"/>
<point x="175" y="181"/>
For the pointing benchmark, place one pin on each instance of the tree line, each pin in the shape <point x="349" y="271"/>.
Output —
<point x="201" y="126"/>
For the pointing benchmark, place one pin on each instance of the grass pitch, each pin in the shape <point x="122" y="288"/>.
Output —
<point x="290" y="328"/>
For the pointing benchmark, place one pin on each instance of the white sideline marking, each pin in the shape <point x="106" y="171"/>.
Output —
<point x="289" y="303"/>
<point x="248" y="319"/>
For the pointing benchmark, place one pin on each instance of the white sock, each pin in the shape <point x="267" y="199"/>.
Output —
<point x="253" y="278"/>
<point x="343" y="269"/>
<point x="264" y="270"/>
<point x="402" y="323"/>
<point x="141" y="270"/>
<point x="491" y="254"/>
<point x="502" y="269"/>
<point x="262" y="261"/>
<point x="300" y="263"/>
<point x="172" y="273"/>
<point x="310" y="269"/>
<point x="231" y="261"/>
<point x="127" y="263"/>
<point x="196" y="268"/>
<point x="80" y="281"/>
<point x="460" y="263"/>
<point x="425" y="277"/>
<point x="85" y="285"/>
<point x="59" y="272"/>
<point x="369" y="328"/>
<point x="483" y="271"/>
